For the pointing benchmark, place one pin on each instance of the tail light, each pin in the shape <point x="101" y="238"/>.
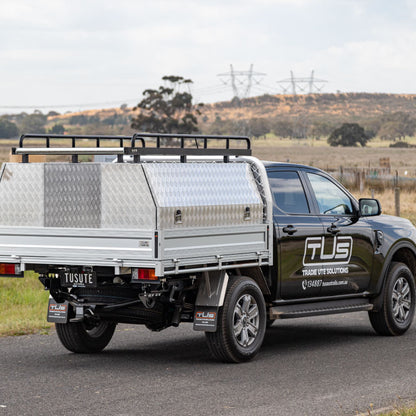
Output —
<point x="144" y="274"/>
<point x="10" y="269"/>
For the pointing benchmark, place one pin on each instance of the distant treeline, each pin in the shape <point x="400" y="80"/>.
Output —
<point x="391" y="126"/>
<point x="116" y="122"/>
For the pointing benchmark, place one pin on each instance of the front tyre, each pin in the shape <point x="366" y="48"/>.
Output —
<point x="241" y="323"/>
<point x="398" y="308"/>
<point x="82" y="337"/>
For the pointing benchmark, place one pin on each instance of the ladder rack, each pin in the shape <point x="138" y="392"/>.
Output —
<point x="160" y="144"/>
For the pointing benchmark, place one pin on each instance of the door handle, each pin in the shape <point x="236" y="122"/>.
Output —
<point x="333" y="229"/>
<point x="290" y="229"/>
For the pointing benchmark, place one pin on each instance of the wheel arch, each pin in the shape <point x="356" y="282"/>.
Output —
<point x="403" y="252"/>
<point x="257" y="275"/>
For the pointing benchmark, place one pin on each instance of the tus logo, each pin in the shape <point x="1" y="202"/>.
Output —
<point x="318" y="251"/>
<point x="209" y="316"/>
<point x="54" y="307"/>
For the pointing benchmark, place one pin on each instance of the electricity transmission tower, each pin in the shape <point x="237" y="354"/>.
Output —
<point x="303" y="84"/>
<point x="241" y="81"/>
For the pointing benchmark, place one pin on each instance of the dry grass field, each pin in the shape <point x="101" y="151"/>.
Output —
<point x="386" y="198"/>
<point x="317" y="153"/>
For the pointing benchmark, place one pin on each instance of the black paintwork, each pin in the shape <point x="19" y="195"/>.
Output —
<point x="297" y="278"/>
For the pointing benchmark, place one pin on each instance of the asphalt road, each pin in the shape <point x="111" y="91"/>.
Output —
<point x="316" y="366"/>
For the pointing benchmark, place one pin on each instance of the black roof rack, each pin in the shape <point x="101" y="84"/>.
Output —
<point x="140" y="144"/>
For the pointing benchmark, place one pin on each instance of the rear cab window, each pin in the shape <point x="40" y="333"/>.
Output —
<point x="288" y="193"/>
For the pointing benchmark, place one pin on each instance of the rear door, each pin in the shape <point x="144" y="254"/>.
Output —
<point x="295" y="221"/>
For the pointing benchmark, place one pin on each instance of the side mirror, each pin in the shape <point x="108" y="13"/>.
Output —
<point x="369" y="207"/>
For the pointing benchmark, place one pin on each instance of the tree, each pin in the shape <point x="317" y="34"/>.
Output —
<point x="283" y="128"/>
<point x="80" y="119"/>
<point x="34" y="123"/>
<point x="349" y="134"/>
<point x="397" y="126"/>
<point x="8" y="129"/>
<point x="219" y="127"/>
<point x="167" y="109"/>
<point x="259" y="127"/>
<point x="389" y="131"/>
<point x="321" y="128"/>
<point x="57" y="129"/>
<point x="52" y="114"/>
<point x="301" y="126"/>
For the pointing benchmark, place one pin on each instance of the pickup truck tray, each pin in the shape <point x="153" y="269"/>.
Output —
<point x="170" y="216"/>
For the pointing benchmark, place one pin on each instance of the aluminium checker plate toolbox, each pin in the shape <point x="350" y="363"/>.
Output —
<point x="162" y="214"/>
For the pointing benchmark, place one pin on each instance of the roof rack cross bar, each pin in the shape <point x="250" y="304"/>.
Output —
<point x="134" y="138"/>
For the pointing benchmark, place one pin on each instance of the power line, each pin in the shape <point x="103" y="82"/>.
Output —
<point x="241" y="81"/>
<point x="67" y="105"/>
<point x="311" y="84"/>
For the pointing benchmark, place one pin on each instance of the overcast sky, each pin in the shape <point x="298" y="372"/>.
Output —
<point x="84" y="53"/>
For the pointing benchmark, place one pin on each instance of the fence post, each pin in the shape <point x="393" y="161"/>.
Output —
<point x="397" y="194"/>
<point x="362" y="181"/>
<point x="359" y="180"/>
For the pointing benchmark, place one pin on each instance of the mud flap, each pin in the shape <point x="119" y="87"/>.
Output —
<point x="57" y="312"/>
<point x="210" y="298"/>
<point x="205" y="319"/>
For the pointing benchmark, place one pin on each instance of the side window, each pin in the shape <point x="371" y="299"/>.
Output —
<point x="288" y="192"/>
<point x="331" y="199"/>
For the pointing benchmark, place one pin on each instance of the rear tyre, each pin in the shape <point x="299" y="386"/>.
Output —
<point x="398" y="307"/>
<point x="82" y="337"/>
<point x="241" y="323"/>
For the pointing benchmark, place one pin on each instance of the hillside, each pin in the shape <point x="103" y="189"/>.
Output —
<point x="348" y="105"/>
<point x="388" y="116"/>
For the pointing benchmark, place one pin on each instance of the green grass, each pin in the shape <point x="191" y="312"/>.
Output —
<point x="23" y="306"/>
